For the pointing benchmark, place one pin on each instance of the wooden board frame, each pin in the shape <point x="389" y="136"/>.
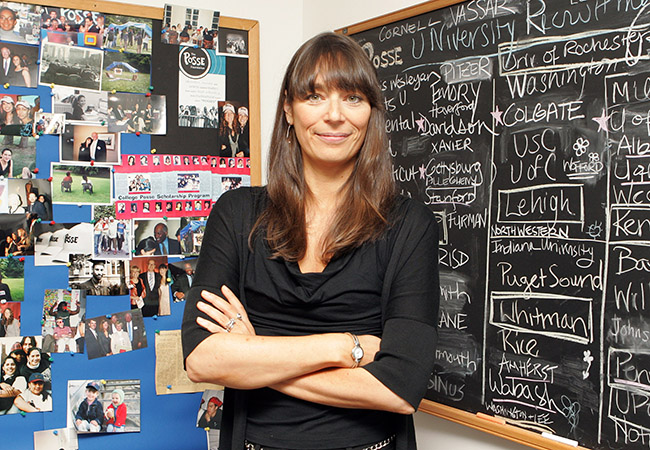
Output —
<point x="510" y="432"/>
<point x="251" y="26"/>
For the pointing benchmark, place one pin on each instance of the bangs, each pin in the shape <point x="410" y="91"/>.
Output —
<point x="339" y="66"/>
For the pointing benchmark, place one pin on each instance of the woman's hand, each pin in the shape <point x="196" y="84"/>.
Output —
<point x="228" y="314"/>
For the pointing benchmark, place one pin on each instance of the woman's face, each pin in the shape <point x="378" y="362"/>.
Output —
<point x="27" y="345"/>
<point x="331" y="126"/>
<point x="81" y="100"/>
<point x="7" y="107"/>
<point x="22" y="112"/>
<point x="243" y="119"/>
<point x="6" y="156"/>
<point x="16" y="60"/>
<point x="229" y="116"/>
<point x="36" y="387"/>
<point x="105" y="325"/>
<point x="89" y="141"/>
<point x="9" y="366"/>
<point x="163" y="272"/>
<point x="7" y="313"/>
<point x="135" y="272"/>
<point x="34" y="357"/>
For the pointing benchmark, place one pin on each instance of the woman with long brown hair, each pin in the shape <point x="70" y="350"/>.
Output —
<point x="315" y="298"/>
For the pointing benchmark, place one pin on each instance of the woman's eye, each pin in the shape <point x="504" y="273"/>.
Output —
<point x="355" y="98"/>
<point x="313" y="97"/>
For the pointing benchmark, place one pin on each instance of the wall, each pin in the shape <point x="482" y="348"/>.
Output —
<point x="284" y="25"/>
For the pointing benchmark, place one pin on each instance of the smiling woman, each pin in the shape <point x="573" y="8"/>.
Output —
<point x="315" y="298"/>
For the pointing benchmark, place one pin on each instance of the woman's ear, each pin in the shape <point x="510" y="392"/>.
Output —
<point x="288" y="113"/>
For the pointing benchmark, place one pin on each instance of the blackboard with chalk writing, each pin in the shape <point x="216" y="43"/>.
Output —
<point x="525" y="126"/>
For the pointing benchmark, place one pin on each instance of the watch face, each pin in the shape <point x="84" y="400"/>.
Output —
<point x="357" y="353"/>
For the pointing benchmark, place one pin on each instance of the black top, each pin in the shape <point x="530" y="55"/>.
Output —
<point x="388" y="288"/>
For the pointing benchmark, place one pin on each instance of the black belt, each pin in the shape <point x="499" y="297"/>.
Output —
<point x="386" y="444"/>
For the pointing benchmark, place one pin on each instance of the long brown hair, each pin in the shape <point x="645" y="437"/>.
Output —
<point x="369" y="192"/>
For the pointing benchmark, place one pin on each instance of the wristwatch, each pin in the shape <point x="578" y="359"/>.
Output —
<point x="357" y="351"/>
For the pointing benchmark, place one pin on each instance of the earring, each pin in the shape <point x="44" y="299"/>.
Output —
<point x="288" y="132"/>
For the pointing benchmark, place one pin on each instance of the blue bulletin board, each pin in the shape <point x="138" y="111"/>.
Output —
<point x="166" y="421"/>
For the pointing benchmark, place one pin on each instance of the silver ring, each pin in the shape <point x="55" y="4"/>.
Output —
<point x="239" y="317"/>
<point x="230" y="325"/>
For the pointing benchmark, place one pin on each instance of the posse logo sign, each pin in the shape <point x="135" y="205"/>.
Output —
<point x="194" y="62"/>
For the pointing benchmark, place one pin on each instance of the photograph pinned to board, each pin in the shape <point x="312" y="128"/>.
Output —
<point x="233" y="130"/>
<point x="51" y="238"/>
<point x="182" y="273"/>
<point x="29" y="196"/>
<point x="149" y="284"/>
<point x="78" y="67"/>
<point x="86" y="143"/>
<point x="98" y="276"/>
<point x="21" y="23"/>
<point x="15" y="237"/>
<point x="17" y="116"/>
<point x="81" y="183"/>
<point x="19" y="64"/>
<point x="176" y="236"/>
<point x="18" y="156"/>
<point x="136" y="113"/>
<point x="12" y="280"/>
<point x="59" y="438"/>
<point x="104" y="406"/>
<point x="62" y="325"/>
<point x="201" y="30"/>
<point x="73" y="20"/>
<point x="71" y="38"/>
<point x="80" y="106"/>
<point x="111" y="237"/>
<point x="201" y="86"/>
<point x="116" y="333"/>
<point x="234" y="42"/>
<point x="132" y="34"/>
<point x="126" y="72"/>
<point x="28" y="370"/>
<point x="49" y="123"/>
<point x="210" y="410"/>
<point x="9" y="316"/>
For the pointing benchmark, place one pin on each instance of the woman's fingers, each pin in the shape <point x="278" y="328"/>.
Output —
<point x="241" y="312"/>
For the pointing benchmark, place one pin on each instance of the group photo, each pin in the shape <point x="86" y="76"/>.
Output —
<point x="81" y="183"/>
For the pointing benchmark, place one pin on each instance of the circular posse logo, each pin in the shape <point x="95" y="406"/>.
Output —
<point x="194" y="62"/>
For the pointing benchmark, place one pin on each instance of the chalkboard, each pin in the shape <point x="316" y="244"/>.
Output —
<point x="525" y="126"/>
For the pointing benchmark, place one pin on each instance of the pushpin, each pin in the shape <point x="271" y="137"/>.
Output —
<point x="52" y="222"/>
<point x="79" y="205"/>
<point x="155" y="317"/>
<point x="50" y="179"/>
<point x="150" y="88"/>
<point x="55" y="432"/>
<point x="153" y="150"/>
<point x="52" y="85"/>
<point x="68" y="264"/>
<point x="42" y="322"/>
<point x="10" y="255"/>
<point x="157" y="331"/>
<point x="102" y="381"/>
<point x="37" y="136"/>
<point x="108" y="316"/>
<point x="169" y="280"/>
<point x="113" y="170"/>
<point x="148" y="94"/>
<point x="35" y="170"/>
<point x="137" y="133"/>
<point x="22" y="413"/>
<point x="93" y="221"/>
<point x="133" y="251"/>
<point x="169" y="386"/>
<point x="113" y="91"/>
<point x="182" y="256"/>
<point x="3" y="301"/>
<point x="92" y="163"/>
<point x="7" y="85"/>
<point x="71" y="353"/>
<point x="51" y="359"/>
<point x="165" y="217"/>
<point x="121" y="49"/>
<point x="39" y="220"/>
<point x="21" y="259"/>
<point x="207" y="428"/>
<point x="103" y="122"/>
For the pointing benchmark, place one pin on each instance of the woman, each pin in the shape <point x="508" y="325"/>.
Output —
<point x="6" y="164"/>
<point x="79" y="108"/>
<point x="120" y="341"/>
<point x="11" y="384"/>
<point x="164" y="308"/>
<point x="229" y="133"/>
<point x="7" y="112"/>
<point x="37" y="364"/>
<point x="136" y="288"/>
<point x="22" y="71"/>
<point x="9" y="322"/>
<point x="104" y="338"/>
<point x="315" y="298"/>
<point x="84" y="150"/>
